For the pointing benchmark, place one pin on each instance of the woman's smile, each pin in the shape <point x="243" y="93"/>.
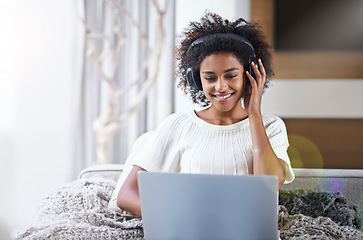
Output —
<point x="222" y="97"/>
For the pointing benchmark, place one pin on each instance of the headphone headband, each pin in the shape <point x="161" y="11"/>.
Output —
<point x="221" y="35"/>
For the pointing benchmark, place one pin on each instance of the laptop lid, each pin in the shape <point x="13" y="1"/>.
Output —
<point x="198" y="206"/>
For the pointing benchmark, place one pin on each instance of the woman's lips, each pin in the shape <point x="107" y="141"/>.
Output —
<point x="223" y="97"/>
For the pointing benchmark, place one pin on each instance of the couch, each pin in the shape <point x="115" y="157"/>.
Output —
<point x="318" y="204"/>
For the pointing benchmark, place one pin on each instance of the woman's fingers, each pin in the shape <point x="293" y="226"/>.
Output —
<point x="262" y="68"/>
<point x="262" y="71"/>
<point x="259" y="72"/>
<point x="252" y="80"/>
<point x="256" y="71"/>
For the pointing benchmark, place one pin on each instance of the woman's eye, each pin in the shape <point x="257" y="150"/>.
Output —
<point x="209" y="78"/>
<point x="231" y="76"/>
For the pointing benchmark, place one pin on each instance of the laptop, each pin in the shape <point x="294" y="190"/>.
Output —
<point x="199" y="206"/>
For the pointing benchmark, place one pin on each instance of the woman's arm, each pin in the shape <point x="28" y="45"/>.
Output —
<point x="128" y="197"/>
<point x="265" y="160"/>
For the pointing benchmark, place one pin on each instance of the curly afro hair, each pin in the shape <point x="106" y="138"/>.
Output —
<point x="212" y="23"/>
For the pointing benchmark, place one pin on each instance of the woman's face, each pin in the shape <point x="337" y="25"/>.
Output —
<point x="222" y="77"/>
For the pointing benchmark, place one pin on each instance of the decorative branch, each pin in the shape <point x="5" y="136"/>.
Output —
<point x="110" y="121"/>
<point x="151" y="79"/>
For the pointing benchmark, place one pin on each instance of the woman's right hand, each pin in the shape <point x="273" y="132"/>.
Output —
<point x="128" y="197"/>
<point x="253" y="95"/>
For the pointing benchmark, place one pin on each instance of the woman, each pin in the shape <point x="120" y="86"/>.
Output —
<point x="223" y="66"/>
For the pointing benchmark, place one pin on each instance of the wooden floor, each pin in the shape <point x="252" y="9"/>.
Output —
<point x="325" y="143"/>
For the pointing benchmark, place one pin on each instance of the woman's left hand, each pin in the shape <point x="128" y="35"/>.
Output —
<point x="253" y="96"/>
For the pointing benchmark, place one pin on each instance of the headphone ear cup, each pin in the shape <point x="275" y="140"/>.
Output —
<point x="193" y="80"/>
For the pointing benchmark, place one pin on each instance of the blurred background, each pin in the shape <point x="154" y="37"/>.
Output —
<point x="62" y="77"/>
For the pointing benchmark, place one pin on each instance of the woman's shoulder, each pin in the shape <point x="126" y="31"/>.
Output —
<point x="178" y="117"/>
<point x="176" y="120"/>
<point x="268" y="118"/>
<point x="181" y="114"/>
<point x="272" y="121"/>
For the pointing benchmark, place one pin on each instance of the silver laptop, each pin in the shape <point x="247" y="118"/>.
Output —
<point x="197" y="206"/>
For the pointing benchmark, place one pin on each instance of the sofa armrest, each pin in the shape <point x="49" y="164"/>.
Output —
<point x="110" y="171"/>
<point x="349" y="182"/>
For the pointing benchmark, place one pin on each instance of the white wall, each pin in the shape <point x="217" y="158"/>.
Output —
<point x="317" y="98"/>
<point x="40" y="55"/>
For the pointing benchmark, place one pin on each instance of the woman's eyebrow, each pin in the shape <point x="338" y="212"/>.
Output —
<point x="228" y="70"/>
<point x="207" y="72"/>
<point x="231" y="69"/>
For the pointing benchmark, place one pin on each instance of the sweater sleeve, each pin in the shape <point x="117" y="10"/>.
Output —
<point x="277" y="134"/>
<point x="139" y="143"/>
<point x="152" y="151"/>
<point x="159" y="153"/>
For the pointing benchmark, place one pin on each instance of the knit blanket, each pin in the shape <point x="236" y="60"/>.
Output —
<point x="78" y="210"/>
<point x="317" y="215"/>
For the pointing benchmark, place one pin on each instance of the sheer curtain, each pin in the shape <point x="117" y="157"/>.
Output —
<point x="94" y="94"/>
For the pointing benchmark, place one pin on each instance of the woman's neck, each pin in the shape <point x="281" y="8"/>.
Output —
<point x="213" y="116"/>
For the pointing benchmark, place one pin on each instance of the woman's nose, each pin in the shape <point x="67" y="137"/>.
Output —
<point x="220" y="85"/>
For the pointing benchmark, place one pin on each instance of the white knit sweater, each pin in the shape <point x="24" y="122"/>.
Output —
<point x="187" y="144"/>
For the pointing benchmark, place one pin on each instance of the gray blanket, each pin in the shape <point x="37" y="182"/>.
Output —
<point x="78" y="210"/>
<point x="317" y="215"/>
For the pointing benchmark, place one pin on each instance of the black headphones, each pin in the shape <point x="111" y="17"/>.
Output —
<point x="193" y="76"/>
